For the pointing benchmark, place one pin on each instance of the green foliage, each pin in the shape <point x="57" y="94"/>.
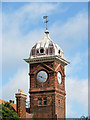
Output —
<point x="0" y="111"/>
<point x="33" y="117"/>
<point x="7" y="112"/>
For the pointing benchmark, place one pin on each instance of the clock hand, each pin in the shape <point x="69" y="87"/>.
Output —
<point x="42" y="76"/>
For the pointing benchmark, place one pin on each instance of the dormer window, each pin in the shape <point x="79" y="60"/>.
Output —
<point x="59" y="51"/>
<point x="51" y="50"/>
<point x="33" y="51"/>
<point x="41" y="50"/>
<point x="37" y="51"/>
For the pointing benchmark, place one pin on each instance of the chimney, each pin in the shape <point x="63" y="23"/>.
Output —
<point x="21" y="103"/>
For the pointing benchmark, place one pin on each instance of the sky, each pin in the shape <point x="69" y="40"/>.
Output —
<point x="89" y="59"/>
<point x="22" y="27"/>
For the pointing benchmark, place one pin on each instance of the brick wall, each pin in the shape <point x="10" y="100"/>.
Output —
<point x="51" y="89"/>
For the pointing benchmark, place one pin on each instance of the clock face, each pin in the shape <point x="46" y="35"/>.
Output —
<point x="59" y="77"/>
<point x="42" y="76"/>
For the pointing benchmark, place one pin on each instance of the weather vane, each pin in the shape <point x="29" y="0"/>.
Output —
<point x="46" y="21"/>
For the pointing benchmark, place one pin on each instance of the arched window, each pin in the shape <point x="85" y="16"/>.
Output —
<point x="41" y="50"/>
<point x="39" y="101"/>
<point x="45" y="101"/>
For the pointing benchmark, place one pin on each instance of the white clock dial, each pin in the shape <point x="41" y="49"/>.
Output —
<point x="59" y="77"/>
<point x="42" y="76"/>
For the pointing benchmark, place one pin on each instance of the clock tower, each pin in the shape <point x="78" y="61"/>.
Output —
<point x="47" y="79"/>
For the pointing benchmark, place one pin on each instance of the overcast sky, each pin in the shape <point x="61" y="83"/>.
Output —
<point x="22" y="27"/>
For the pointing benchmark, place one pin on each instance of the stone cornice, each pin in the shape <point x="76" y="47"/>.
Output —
<point x="47" y="59"/>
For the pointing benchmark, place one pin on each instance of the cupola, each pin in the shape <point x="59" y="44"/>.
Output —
<point x="45" y="48"/>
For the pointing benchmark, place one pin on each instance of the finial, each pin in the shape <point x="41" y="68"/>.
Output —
<point x="20" y="91"/>
<point x="46" y="21"/>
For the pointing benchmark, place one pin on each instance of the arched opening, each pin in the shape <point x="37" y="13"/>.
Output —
<point x="41" y="50"/>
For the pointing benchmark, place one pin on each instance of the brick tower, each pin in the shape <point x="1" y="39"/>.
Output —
<point x="47" y="79"/>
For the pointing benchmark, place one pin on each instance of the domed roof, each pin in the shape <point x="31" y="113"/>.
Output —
<point x="46" y="47"/>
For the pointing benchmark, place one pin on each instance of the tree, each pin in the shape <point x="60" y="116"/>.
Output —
<point x="7" y="112"/>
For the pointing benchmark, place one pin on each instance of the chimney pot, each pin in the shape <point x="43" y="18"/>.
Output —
<point x="10" y="101"/>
